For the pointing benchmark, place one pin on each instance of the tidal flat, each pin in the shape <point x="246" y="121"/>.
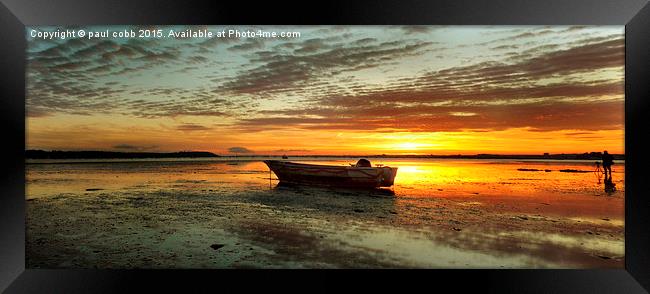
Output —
<point x="229" y="214"/>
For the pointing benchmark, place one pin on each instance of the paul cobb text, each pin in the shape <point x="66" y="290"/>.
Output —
<point x="159" y="33"/>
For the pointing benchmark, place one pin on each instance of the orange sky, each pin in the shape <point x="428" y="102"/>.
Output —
<point x="334" y="90"/>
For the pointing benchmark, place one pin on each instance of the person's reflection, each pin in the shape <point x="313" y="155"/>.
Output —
<point x="610" y="187"/>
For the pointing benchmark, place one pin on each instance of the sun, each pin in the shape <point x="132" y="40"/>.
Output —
<point x="410" y="146"/>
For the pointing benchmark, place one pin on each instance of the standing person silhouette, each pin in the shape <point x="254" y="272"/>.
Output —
<point x="608" y="160"/>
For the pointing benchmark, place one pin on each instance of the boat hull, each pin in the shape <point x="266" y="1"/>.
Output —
<point x="340" y="176"/>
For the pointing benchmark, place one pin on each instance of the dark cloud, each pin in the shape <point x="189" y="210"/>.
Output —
<point x="239" y="150"/>
<point x="578" y="133"/>
<point x="505" y="47"/>
<point x="63" y="79"/>
<point x="286" y="72"/>
<point x="192" y="127"/>
<point x="531" y="34"/>
<point x="549" y="116"/>
<point x="459" y="93"/>
<point x="176" y="107"/>
<point x="97" y="49"/>
<point x="574" y="28"/>
<point x="250" y="44"/>
<point x="499" y="81"/>
<point x="311" y="46"/>
<point x="197" y="59"/>
<point x="499" y="96"/>
<point x="416" y="29"/>
<point x="36" y="112"/>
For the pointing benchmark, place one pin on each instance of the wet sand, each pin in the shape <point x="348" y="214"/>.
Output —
<point x="196" y="225"/>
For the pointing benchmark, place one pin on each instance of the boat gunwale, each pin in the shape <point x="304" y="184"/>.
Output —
<point x="308" y="165"/>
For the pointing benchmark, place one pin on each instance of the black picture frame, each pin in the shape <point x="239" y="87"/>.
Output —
<point x="16" y="14"/>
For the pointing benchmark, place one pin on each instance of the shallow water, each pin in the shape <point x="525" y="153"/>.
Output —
<point x="415" y="178"/>
<point x="440" y="213"/>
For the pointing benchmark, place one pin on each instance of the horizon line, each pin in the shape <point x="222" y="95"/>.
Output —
<point x="332" y="155"/>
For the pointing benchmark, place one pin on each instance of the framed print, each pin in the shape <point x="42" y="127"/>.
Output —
<point x="192" y="140"/>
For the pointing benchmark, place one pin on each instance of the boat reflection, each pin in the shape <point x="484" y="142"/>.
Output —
<point x="342" y="191"/>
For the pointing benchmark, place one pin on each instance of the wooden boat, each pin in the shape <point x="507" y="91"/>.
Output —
<point x="355" y="176"/>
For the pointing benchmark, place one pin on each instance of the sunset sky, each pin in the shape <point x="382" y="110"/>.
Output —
<point x="333" y="90"/>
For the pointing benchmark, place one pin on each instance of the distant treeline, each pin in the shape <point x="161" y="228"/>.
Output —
<point x="41" y="154"/>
